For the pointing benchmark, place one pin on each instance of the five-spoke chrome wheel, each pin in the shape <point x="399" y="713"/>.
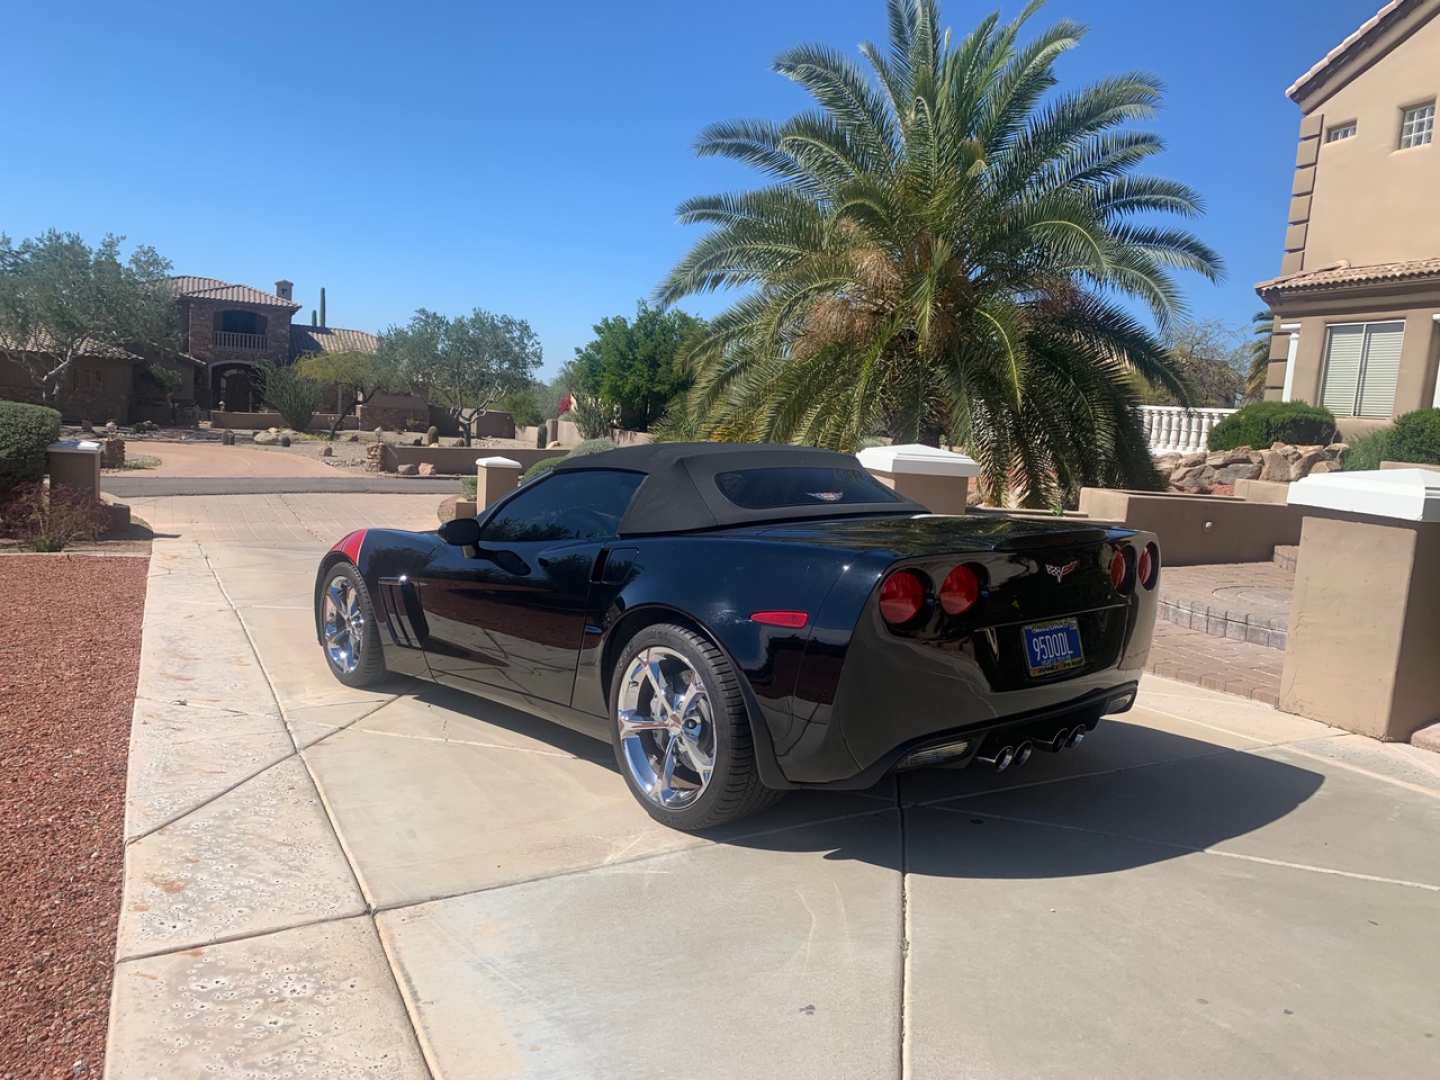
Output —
<point x="667" y="728"/>
<point x="344" y="624"/>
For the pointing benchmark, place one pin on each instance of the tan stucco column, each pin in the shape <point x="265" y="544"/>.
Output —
<point x="74" y="464"/>
<point x="1364" y="645"/>
<point x="937" y="479"/>
<point x="495" y="477"/>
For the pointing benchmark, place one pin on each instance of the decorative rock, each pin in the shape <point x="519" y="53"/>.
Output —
<point x="408" y="470"/>
<point x="1305" y="462"/>
<point x="1230" y="473"/>
<point x="273" y="430"/>
<point x="112" y="452"/>
<point x="284" y="440"/>
<point x="1324" y="467"/>
<point x="426" y="469"/>
<point x="1196" y="458"/>
<point x="375" y="457"/>
<point x="327" y="451"/>
<point x="379" y="431"/>
<point x="1274" y="466"/>
<point x="227" y="438"/>
<point x="354" y="436"/>
<point x="417" y="441"/>
<point x="432" y="435"/>
<point x="266" y="438"/>
<point x="111" y="427"/>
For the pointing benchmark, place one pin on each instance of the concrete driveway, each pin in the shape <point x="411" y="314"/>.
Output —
<point x="326" y="882"/>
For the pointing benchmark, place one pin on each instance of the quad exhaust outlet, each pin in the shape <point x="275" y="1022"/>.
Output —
<point x="1002" y="758"/>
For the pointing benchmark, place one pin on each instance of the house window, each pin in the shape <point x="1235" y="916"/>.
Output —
<point x="1362" y="364"/>
<point x="1340" y="131"/>
<point x="1417" y="126"/>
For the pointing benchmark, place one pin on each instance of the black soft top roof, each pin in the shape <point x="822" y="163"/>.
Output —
<point x="679" y="493"/>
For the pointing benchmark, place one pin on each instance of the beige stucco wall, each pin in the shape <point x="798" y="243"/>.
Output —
<point x="1372" y="202"/>
<point x="1364" y="626"/>
<point x="1194" y="529"/>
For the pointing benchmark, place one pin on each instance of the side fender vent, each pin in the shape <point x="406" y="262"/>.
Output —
<point x="400" y="608"/>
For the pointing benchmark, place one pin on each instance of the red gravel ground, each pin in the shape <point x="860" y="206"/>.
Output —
<point x="69" y="656"/>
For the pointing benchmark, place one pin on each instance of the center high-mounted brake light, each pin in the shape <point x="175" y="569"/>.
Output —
<point x="960" y="590"/>
<point x="901" y="597"/>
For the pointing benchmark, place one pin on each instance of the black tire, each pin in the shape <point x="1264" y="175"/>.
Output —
<point x="735" y="790"/>
<point x="371" y="668"/>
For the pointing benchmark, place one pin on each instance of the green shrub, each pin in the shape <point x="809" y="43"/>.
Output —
<point x="294" y="397"/>
<point x="1369" y="450"/>
<point x="1265" y="422"/>
<point x="25" y="432"/>
<point x="1417" y="437"/>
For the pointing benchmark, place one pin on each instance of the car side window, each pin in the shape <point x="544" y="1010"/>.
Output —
<point x="580" y="505"/>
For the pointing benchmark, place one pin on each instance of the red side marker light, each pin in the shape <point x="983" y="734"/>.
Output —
<point x="349" y="546"/>
<point x="960" y="590"/>
<point x="790" y="620"/>
<point x="901" y="597"/>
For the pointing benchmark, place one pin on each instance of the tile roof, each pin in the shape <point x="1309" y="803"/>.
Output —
<point x="1345" y="274"/>
<point x="329" y="339"/>
<point x="215" y="289"/>
<point x="1373" y="23"/>
<point x="42" y="342"/>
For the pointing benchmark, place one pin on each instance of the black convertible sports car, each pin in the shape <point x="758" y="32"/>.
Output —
<point x="739" y="621"/>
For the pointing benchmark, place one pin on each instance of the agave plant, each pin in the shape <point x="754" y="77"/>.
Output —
<point x="945" y="250"/>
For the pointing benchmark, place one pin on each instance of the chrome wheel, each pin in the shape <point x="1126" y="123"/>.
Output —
<point x="667" y="729"/>
<point x="344" y="624"/>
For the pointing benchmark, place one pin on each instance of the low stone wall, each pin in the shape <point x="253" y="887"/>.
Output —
<point x="259" y="421"/>
<point x="1203" y="473"/>
<point x="1196" y="529"/>
<point x="459" y="460"/>
<point x="1408" y="465"/>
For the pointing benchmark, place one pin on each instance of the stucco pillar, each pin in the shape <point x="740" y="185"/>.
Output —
<point x="74" y="464"/>
<point x="937" y="479"/>
<point x="1365" y="619"/>
<point x="495" y="477"/>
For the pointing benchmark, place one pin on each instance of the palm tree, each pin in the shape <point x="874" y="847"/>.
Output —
<point x="944" y="250"/>
<point x="1262" y="329"/>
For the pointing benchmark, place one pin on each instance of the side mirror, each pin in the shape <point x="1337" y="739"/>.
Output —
<point x="461" y="532"/>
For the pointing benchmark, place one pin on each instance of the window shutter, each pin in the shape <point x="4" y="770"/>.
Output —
<point x="1342" y="369"/>
<point x="1382" y="368"/>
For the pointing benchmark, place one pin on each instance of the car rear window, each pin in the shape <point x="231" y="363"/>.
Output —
<point x="774" y="489"/>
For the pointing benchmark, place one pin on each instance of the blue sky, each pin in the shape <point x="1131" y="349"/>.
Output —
<point x="528" y="158"/>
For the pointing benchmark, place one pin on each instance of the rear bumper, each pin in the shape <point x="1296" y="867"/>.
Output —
<point x="1036" y="724"/>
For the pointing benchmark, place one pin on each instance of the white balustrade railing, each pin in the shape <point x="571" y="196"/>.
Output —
<point x="1170" y="428"/>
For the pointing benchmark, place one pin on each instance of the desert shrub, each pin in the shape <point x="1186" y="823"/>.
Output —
<point x="25" y="432"/>
<point x="1417" y="437"/>
<point x="594" y="418"/>
<point x="51" y="520"/>
<point x="1262" y="423"/>
<point x="1368" y="451"/>
<point x="294" y="397"/>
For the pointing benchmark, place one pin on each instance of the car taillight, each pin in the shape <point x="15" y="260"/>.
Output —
<point x="901" y="597"/>
<point x="1149" y="568"/>
<point x="960" y="590"/>
<point x="1120" y="571"/>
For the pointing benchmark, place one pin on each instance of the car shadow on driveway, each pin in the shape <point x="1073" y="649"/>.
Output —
<point x="1080" y="813"/>
<point x="1145" y="794"/>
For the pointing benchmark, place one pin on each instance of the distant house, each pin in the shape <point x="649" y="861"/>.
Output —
<point x="233" y="328"/>
<point x="228" y="330"/>
<point x="1357" y="302"/>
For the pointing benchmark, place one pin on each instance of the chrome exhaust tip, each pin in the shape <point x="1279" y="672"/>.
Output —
<point x="1023" y="752"/>
<point x="1076" y="737"/>
<point x="1000" y="760"/>
<point x="1057" y="742"/>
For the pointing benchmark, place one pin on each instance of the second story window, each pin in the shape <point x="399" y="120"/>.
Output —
<point x="1417" y="125"/>
<point x="1340" y="131"/>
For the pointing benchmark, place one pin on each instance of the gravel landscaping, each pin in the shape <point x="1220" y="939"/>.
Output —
<point x="69" y="656"/>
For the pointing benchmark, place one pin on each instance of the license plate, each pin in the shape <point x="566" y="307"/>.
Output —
<point x="1053" y="647"/>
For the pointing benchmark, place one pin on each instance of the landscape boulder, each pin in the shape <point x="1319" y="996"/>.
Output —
<point x="426" y="469"/>
<point x="408" y="470"/>
<point x="1216" y="473"/>
<point x="375" y="457"/>
<point x="267" y="438"/>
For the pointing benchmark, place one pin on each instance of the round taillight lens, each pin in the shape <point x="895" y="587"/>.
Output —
<point x="960" y="590"/>
<point x="901" y="597"/>
<point x="1120" y="571"/>
<point x="1149" y="568"/>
